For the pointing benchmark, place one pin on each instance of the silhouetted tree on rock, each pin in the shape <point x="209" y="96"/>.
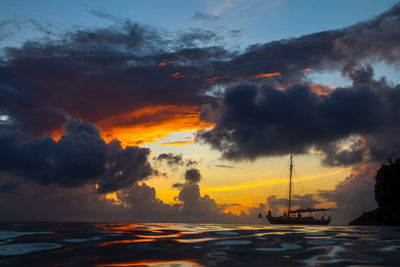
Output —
<point x="387" y="195"/>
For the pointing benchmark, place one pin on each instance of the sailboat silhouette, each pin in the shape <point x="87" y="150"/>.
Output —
<point x="295" y="216"/>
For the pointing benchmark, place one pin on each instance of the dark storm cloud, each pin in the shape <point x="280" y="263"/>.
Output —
<point x="81" y="156"/>
<point x="190" y="163"/>
<point x="204" y="16"/>
<point x="118" y="68"/>
<point x="260" y="120"/>
<point x="334" y="155"/>
<point x="85" y="204"/>
<point x="192" y="176"/>
<point x="171" y="158"/>
<point x="376" y="39"/>
<point x="175" y="160"/>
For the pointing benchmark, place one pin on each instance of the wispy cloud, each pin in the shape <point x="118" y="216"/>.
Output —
<point x="205" y="16"/>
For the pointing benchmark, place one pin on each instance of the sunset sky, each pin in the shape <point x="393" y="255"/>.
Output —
<point x="189" y="110"/>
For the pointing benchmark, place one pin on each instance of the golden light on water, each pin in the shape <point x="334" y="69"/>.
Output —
<point x="160" y="263"/>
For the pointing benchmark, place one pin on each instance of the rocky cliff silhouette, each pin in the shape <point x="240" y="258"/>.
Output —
<point x="387" y="195"/>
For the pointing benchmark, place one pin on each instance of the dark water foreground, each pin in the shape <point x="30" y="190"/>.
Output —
<point x="127" y="244"/>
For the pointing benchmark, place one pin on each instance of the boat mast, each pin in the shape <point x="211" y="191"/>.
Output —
<point x="290" y="183"/>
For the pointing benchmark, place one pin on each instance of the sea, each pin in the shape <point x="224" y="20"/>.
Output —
<point x="177" y="244"/>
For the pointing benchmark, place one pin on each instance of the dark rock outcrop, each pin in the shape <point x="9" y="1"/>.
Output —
<point x="387" y="195"/>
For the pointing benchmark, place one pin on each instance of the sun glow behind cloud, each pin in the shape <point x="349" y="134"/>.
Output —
<point x="151" y="123"/>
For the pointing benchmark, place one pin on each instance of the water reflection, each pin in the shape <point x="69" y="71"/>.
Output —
<point x="108" y="243"/>
<point x="181" y="263"/>
<point x="141" y="244"/>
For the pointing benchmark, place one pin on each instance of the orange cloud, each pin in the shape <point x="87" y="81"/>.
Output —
<point x="177" y="75"/>
<point x="213" y="79"/>
<point x="316" y="88"/>
<point x="253" y="77"/>
<point x="151" y="123"/>
<point x="178" y="143"/>
<point x="306" y="69"/>
<point x="321" y="89"/>
<point x="166" y="62"/>
<point x="235" y="209"/>
<point x="264" y="75"/>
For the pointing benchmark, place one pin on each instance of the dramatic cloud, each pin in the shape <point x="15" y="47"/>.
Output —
<point x="79" y="157"/>
<point x="128" y="68"/>
<point x="105" y="73"/>
<point x="139" y="83"/>
<point x="353" y="195"/>
<point x="175" y="160"/>
<point x="376" y="39"/>
<point x="135" y="203"/>
<point x="192" y="176"/>
<point x="260" y="120"/>
<point x="287" y="114"/>
<point x="170" y="158"/>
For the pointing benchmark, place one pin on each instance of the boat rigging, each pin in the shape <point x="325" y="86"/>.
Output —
<point x="288" y="218"/>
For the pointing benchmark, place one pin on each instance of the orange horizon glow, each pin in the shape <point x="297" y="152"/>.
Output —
<point x="269" y="182"/>
<point x="246" y="194"/>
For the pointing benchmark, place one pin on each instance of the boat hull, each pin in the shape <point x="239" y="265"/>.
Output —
<point x="302" y="221"/>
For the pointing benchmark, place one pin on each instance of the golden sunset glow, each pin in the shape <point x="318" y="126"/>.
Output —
<point x="151" y="123"/>
<point x="269" y="182"/>
<point x="113" y="196"/>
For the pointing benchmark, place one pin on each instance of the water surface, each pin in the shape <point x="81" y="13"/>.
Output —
<point x="167" y="244"/>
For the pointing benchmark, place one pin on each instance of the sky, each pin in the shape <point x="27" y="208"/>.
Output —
<point x="188" y="111"/>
